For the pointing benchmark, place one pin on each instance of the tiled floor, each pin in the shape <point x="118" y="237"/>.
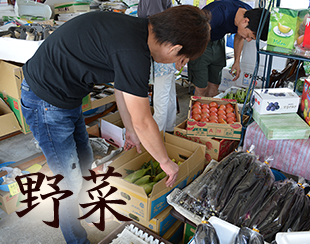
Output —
<point x="30" y="229"/>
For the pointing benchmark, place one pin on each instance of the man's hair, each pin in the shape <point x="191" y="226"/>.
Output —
<point x="184" y="25"/>
<point x="254" y="15"/>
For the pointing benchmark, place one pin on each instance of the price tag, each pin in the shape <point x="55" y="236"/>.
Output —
<point x="14" y="188"/>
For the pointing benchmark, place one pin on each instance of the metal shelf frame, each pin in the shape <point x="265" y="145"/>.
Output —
<point x="247" y="109"/>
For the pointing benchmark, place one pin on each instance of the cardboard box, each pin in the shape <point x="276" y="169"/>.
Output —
<point x="8" y="121"/>
<point x="175" y="233"/>
<point x="9" y="203"/>
<point x="246" y="75"/>
<point x="275" y="101"/>
<point x="216" y="149"/>
<point x="17" y="50"/>
<point x="189" y="232"/>
<point x="214" y="130"/>
<point x="89" y="103"/>
<point x="285" y="26"/>
<point x="282" y="126"/>
<point x="305" y="101"/>
<point x="146" y="207"/>
<point x="160" y="224"/>
<point x="113" y="131"/>
<point x="10" y="81"/>
<point x="71" y="7"/>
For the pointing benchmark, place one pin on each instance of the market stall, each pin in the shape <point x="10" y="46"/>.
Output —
<point x="223" y="194"/>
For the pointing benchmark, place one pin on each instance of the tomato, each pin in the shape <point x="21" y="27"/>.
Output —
<point x="205" y="105"/>
<point x="205" y="115"/>
<point x="196" y="111"/>
<point x="230" y="115"/>
<point x="222" y="107"/>
<point x="196" y="117"/>
<point x="222" y="116"/>
<point x="213" y="121"/>
<point x="229" y="105"/>
<point x="196" y="105"/>
<point x="213" y="114"/>
<point x="221" y="112"/>
<point x="229" y="110"/>
<point x="205" y="110"/>
<point x="204" y="119"/>
<point x="222" y="121"/>
<point x="231" y="119"/>
<point x="197" y="102"/>
<point x="213" y="109"/>
<point x="213" y="104"/>
<point x="213" y="118"/>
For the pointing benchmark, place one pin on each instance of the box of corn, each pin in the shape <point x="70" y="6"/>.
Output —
<point x="142" y="185"/>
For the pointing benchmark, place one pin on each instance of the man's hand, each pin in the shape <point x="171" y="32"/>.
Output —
<point x="131" y="141"/>
<point x="171" y="169"/>
<point x="236" y="66"/>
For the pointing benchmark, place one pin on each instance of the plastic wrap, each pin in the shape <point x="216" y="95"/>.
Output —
<point x="274" y="223"/>
<point x="211" y="178"/>
<point x="249" y="194"/>
<point x="302" y="222"/>
<point x="206" y="234"/>
<point x="233" y="181"/>
<point x="248" y="236"/>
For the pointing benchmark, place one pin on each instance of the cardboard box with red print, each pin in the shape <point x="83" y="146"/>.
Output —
<point x="221" y="127"/>
<point x="216" y="149"/>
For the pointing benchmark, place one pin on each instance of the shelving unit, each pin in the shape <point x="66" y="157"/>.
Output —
<point x="248" y="108"/>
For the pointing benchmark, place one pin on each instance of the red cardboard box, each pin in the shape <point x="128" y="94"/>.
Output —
<point x="305" y="101"/>
<point x="216" y="149"/>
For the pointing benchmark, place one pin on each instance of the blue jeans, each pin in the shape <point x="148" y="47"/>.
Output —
<point x="62" y="136"/>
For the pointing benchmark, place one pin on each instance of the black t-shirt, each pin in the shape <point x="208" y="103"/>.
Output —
<point x="223" y="13"/>
<point x="93" y="48"/>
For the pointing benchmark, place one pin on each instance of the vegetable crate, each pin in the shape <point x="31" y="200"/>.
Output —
<point x="216" y="149"/>
<point x="147" y="206"/>
<point x="214" y="130"/>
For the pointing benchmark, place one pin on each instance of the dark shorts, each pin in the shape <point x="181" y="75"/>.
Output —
<point x="208" y="67"/>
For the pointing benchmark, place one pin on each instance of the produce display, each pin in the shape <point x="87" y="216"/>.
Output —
<point x="206" y="234"/>
<point x="213" y="113"/>
<point x="239" y="95"/>
<point x="242" y="190"/>
<point x="147" y="176"/>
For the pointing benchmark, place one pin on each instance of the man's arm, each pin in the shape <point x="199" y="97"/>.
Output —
<point x="238" y="46"/>
<point x="138" y="120"/>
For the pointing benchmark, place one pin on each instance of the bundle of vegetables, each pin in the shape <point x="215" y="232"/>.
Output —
<point x="238" y="94"/>
<point x="147" y="176"/>
<point x="242" y="191"/>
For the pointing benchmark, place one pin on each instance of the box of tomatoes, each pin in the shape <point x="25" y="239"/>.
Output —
<point x="214" y="117"/>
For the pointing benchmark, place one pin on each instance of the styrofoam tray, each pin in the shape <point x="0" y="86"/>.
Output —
<point x="300" y="237"/>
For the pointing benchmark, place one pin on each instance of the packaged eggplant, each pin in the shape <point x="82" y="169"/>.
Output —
<point x="248" y="236"/>
<point x="205" y="234"/>
<point x="249" y="193"/>
<point x="238" y="175"/>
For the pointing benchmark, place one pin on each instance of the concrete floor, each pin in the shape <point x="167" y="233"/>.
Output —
<point x="30" y="229"/>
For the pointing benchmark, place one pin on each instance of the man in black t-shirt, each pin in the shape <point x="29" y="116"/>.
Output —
<point x="96" y="48"/>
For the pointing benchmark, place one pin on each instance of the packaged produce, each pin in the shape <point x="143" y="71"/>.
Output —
<point x="248" y="236"/>
<point x="206" y="234"/>
<point x="249" y="193"/>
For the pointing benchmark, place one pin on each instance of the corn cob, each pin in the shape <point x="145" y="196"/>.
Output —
<point x="160" y="176"/>
<point x="148" y="187"/>
<point x="143" y="180"/>
<point x="136" y="175"/>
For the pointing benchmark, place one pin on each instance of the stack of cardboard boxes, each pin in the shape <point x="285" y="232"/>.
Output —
<point x="153" y="211"/>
